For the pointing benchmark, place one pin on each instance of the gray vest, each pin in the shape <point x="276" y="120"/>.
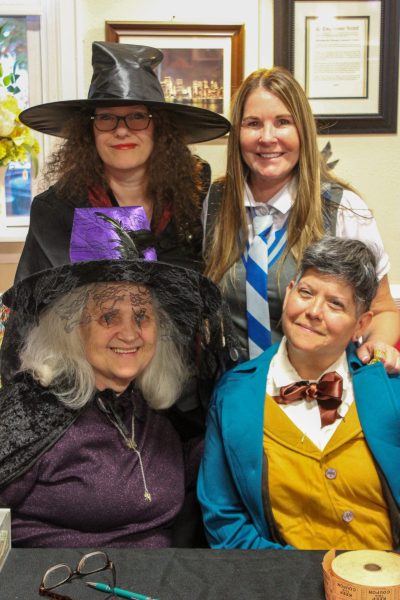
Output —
<point x="233" y="283"/>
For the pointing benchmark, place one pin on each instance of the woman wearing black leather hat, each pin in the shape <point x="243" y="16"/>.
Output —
<point x="140" y="158"/>
<point x="124" y="145"/>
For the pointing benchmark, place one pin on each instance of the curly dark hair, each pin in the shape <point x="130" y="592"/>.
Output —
<point x="175" y="174"/>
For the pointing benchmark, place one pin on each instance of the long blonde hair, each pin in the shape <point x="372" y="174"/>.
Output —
<point x="305" y="225"/>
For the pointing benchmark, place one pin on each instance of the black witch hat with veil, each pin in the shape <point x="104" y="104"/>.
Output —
<point x="192" y="302"/>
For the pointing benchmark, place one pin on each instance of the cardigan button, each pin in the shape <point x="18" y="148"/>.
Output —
<point x="347" y="516"/>
<point x="330" y="473"/>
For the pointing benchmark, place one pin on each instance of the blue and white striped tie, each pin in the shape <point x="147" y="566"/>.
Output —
<point x="267" y="247"/>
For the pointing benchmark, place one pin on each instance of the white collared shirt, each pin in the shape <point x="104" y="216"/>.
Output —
<point x="354" y="219"/>
<point x="305" y="414"/>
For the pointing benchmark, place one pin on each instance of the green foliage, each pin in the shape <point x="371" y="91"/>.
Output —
<point x="17" y="142"/>
<point x="9" y="81"/>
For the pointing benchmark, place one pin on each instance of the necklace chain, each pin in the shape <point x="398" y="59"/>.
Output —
<point x="131" y="444"/>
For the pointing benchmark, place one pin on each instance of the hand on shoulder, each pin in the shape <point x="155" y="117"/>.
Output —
<point x="379" y="351"/>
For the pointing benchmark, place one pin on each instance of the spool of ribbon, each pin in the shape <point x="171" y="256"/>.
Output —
<point x="361" y="574"/>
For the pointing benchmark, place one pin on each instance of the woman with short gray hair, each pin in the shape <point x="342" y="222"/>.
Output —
<point x="302" y="444"/>
<point x="348" y="260"/>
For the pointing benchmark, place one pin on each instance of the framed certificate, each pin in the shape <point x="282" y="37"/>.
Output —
<point x="346" y="57"/>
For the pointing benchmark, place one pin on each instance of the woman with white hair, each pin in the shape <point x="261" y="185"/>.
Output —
<point x="86" y="458"/>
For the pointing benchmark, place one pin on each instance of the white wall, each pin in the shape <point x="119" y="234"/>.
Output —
<point x="372" y="164"/>
<point x="93" y="14"/>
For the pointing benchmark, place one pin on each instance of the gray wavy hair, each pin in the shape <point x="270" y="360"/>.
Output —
<point x="350" y="260"/>
<point x="54" y="354"/>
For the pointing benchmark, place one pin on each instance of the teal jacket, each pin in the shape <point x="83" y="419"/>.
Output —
<point x="230" y="479"/>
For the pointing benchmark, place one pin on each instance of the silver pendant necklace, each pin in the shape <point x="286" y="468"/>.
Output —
<point x="129" y="442"/>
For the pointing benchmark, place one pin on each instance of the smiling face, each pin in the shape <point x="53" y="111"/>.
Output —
<point x="319" y="319"/>
<point x="119" y="333"/>
<point x="123" y="149"/>
<point x="269" y="140"/>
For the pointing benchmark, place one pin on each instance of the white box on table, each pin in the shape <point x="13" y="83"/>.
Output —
<point x="5" y="535"/>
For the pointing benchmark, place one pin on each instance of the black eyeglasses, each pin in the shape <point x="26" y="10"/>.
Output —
<point x="61" y="573"/>
<point x="135" y="121"/>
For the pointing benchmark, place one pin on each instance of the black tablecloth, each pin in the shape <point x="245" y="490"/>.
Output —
<point x="172" y="574"/>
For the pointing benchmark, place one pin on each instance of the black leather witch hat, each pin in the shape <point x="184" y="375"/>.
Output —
<point x="123" y="75"/>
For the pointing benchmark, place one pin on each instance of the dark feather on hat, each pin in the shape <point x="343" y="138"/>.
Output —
<point x="132" y="244"/>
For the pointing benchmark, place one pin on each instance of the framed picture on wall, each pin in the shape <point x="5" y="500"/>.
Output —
<point x="345" y="54"/>
<point x="202" y="65"/>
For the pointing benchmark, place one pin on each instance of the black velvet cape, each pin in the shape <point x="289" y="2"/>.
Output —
<point x="32" y="420"/>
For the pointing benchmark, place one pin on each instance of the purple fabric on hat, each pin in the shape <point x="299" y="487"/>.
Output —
<point x="93" y="238"/>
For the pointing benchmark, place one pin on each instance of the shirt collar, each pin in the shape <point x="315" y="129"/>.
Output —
<point x="283" y="372"/>
<point x="281" y="202"/>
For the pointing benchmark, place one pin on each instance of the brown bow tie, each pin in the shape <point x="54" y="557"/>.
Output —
<point x="327" y="392"/>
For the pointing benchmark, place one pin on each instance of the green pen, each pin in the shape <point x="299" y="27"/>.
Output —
<point x="103" y="587"/>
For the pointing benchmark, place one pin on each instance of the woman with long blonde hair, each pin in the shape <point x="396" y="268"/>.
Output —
<point x="275" y="168"/>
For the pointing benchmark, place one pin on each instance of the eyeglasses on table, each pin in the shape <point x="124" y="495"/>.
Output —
<point x="59" y="574"/>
